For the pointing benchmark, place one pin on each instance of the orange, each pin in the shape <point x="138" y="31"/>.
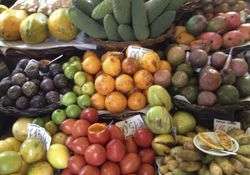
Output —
<point x="88" y="53"/>
<point x="120" y="55"/>
<point x="104" y="84"/>
<point x="185" y="38"/>
<point x="165" y="65"/>
<point x="98" y="101"/>
<point x="91" y="64"/>
<point x="178" y="31"/>
<point x="124" y="83"/>
<point x="89" y="77"/>
<point x="130" y="66"/>
<point x="137" y="101"/>
<point x="150" y="61"/>
<point x="143" y="79"/>
<point x="115" y="102"/>
<point x="112" y="65"/>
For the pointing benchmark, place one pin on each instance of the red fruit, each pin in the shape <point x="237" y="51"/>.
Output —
<point x="80" y="128"/>
<point x="233" y="38"/>
<point x="80" y="144"/>
<point x="98" y="133"/>
<point x="210" y="79"/>
<point x="214" y="38"/>
<point x="143" y="137"/>
<point x="67" y="125"/>
<point x="75" y="163"/>
<point x="239" y="66"/>
<point x="115" y="150"/>
<point x="233" y="19"/>
<point x="245" y="30"/>
<point x="131" y="146"/>
<point x="95" y="155"/>
<point x="89" y="170"/>
<point x="110" y="168"/>
<point x="146" y="169"/>
<point x="69" y="142"/>
<point x="90" y="114"/>
<point x="147" y="155"/>
<point x="130" y="163"/>
<point x="116" y="133"/>
<point x="66" y="172"/>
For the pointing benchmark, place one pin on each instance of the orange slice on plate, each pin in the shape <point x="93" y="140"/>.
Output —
<point x="224" y="139"/>
<point x="205" y="139"/>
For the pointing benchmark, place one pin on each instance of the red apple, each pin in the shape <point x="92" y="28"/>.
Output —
<point x="245" y="30"/>
<point x="89" y="114"/>
<point x="214" y="38"/>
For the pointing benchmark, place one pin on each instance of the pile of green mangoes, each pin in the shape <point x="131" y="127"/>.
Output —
<point x="124" y="20"/>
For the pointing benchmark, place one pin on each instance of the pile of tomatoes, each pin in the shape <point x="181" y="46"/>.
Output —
<point x="101" y="149"/>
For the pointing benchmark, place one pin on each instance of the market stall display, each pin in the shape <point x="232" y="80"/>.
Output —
<point x="166" y="92"/>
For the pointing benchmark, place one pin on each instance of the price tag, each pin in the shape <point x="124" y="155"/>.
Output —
<point x="137" y="51"/>
<point x="248" y="131"/>
<point x="130" y="125"/>
<point x="225" y="125"/>
<point x="36" y="131"/>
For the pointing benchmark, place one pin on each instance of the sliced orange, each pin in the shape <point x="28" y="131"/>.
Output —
<point x="209" y="142"/>
<point x="224" y="139"/>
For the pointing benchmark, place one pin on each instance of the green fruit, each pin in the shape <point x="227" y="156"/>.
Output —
<point x="80" y="78"/>
<point x="158" y="120"/>
<point x="70" y="71"/>
<point x="184" y="122"/>
<point x="77" y="64"/>
<point x="190" y="92"/>
<point x="227" y="95"/>
<point x="73" y="111"/>
<point x="161" y="144"/>
<point x="180" y="79"/>
<point x="187" y="68"/>
<point x="51" y="127"/>
<point x="83" y="101"/>
<point x="243" y="85"/>
<point x="178" y="171"/>
<point x="196" y="25"/>
<point x="74" y="58"/>
<point x="38" y="121"/>
<point x="65" y="65"/>
<point x="88" y="88"/>
<point x="58" y="116"/>
<point x="10" y="162"/>
<point x="176" y="55"/>
<point x="68" y="98"/>
<point x="158" y="96"/>
<point x="77" y="90"/>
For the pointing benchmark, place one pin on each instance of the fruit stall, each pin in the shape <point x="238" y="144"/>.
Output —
<point x="125" y="87"/>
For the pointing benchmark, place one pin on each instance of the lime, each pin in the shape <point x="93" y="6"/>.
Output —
<point x="83" y="101"/>
<point x="75" y="58"/>
<point x="38" y="121"/>
<point x="88" y="88"/>
<point x="69" y="98"/>
<point x="66" y="64"/>
<point x="70" y="71"/>
<point x="77" y="90"/>
<point x="80" y="78"/>
<point x="73" y="111"/>
<point x="51" y="127"/>
<point x="58" y="116"/>
<point x="77" y="64"/>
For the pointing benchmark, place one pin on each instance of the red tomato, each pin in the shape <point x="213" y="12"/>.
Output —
<point x="147" y="155"/>
<point x="116" y="133"/>
<point x="116" y="150"/>
<point x="95" y="155"/>
<point x="90" y="114"/>
<point x="67" y="125"/>
<point x="110" y="168"/>
<point x="130" y="163"/>
<point x="69" y="141"/>
<point x="80" y="128"/>
<point x="66" y="172"/>
<point x="143" y="137"/>
<point x="75" y="163"/>
<point x="131" y="146"/>
<point x="89" y="170"/>
<point x="98" y="133"/>
<point x="80" y="144"/>
<point x="146" y="169"/>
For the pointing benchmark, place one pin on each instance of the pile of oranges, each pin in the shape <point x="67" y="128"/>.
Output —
<point x="121" y="82"/>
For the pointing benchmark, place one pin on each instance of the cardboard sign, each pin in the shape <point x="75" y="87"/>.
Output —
<point x="36" y="131"/>
<point x="137" y="52"/>
<point x="130" y="125"/>
<point x="225" y="125"/>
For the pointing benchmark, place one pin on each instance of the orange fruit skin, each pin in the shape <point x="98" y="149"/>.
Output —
<point x="130" y="66"/>
<point x="185" y="38"/>
<point x="91" y="65"/>
<point x="112" y="65"/>
<point x="98" y="101"/>
<point x="124" y="83"/>
<point x="150" y="61"/>
<point x="108" y="54"/>
<point x="165" y="65"/>
<point x="137" y="101"/>
<point x="143" y="79"/>
<point x="115" y="102"/>
<point x="104" y="84"/>
<point x="88" y="53"/>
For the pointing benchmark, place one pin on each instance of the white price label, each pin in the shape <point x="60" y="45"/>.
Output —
<point x="225" y="125"/>
<point x="36" y="131"/>
<point x="130" y="125"/>
<point x="137" y="51"/>
<point x="248" y="131"/>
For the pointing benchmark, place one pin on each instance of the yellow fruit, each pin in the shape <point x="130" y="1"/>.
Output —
<point x="120" y="55"/>
<point x="98" y="101"/>
<point x="176" y="55"/>
<point x="104" y="84"/>
<point x="14" y="143"/>
<point x="20" y="128"/>
<point x="137" y="101"/>
<point x="59" y="137"/>
<point x="209" y="142"/>
<point x="185" y="38"/>
<point x="165" y="65"/>
<point x="115" y="102"/>
<point x="88" y="53"/>
<point x="23" y="170"/>
<point x="143" y="79"/>
<point x="124" y="83"/>
<point x="40" y="168"/>
<point x="91" y="65"/>
<point x="3" y="8"/>
<point x="178" y="31"/>
<point x="150" y="61"/>
<point x="112" y="65"/>
<point x="58" y="156"/>
<point x="224" y="140"/>
<point x="60" y="25"/>
<point x="5" y="146"/>
<point x="10" y="21"/>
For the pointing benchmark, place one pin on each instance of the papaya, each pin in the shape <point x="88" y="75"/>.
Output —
<point x="34" y="28"/>
<point x="10" y="21"/>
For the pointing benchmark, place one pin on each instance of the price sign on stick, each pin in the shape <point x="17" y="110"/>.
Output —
<point x="225" y="125"/>
<point x="137" y="52"/>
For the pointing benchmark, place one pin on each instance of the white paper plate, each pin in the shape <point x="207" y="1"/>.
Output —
<point x="199" y="144"/>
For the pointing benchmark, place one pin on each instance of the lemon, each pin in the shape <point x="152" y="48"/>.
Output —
<point x="58" y="156"/>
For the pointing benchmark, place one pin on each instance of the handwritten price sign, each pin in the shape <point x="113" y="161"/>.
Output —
<point x="137" y="52"/>
<point x="225" y="125"/>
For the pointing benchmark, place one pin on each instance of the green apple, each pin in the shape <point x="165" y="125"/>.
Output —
<point x="83" y="101"/>
<point x="80" y="78"/>
<point x="66" y="64"/>
<point x="73" y="111"/>
<point x="75" y="58"/>
<point x="69" y="98"/>
<point x="70" y="71"/>
<point x="77" y="90"/>
<point x="58" y="116"/>
<point x="88" y="88"/>
<point x="78" y="64"/>
<point x="39" y="121"/>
